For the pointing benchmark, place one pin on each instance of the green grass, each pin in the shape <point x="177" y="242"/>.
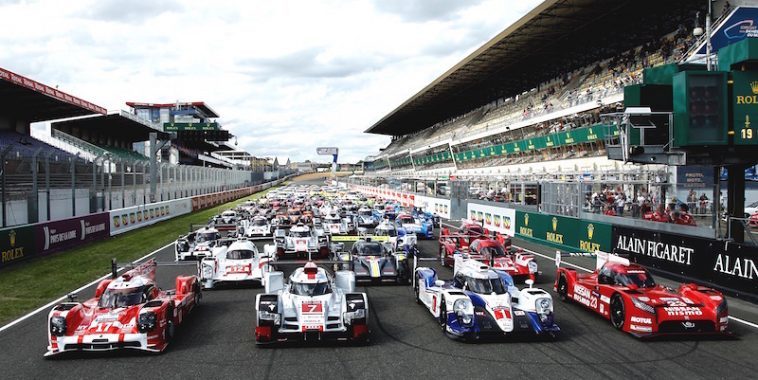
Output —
<point x="32" y="284"/>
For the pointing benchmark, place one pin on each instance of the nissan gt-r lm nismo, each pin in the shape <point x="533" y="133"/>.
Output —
<point x="127" y="312"/>
<point x="238" y="263"/>
<point x="627" y="295"/>
<point x="313" y="306"/>
<point x="482" y="303"/>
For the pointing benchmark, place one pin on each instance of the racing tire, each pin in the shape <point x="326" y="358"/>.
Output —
<point x="563" y="289"/>
<point x="443" y="315"/>
<point x="442" y="256"/>
<point x="416" y="292"/>
<point x="617" y="312"/>
<point x="170" y="329"/>
<point x="198" y="295"/>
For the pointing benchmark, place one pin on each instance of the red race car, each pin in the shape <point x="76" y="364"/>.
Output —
<point x="451" y="244"/>
<point x="517" y="263"/>
<point x="128" y="311"/>
<point x="753" y="220"/>
<point x="627" y="295"/>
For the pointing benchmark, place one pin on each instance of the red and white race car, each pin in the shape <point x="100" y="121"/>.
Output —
<point x="452" y="243"/>
<point x="128" y="311"/>
<point x="518" y="264"/>
<point x="627" y="295"/>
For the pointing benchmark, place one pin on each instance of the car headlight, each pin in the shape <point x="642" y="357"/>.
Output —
<point x="532" y="266"/>
<point x="268" y="316"/>
<point x="722" y="308"/>
<point x="58" y="325"/>
<point x="643" y="306"/>
<point x="464" y="310"/>
<point x="543" y="305"/>
<point x="207" y="271"/>
<point x="146" y="321"/>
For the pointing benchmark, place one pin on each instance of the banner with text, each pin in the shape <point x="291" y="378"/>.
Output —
<point x="130" y="218"/>
<point x="728" y="265"/>
<point x="564" y="232"/>
<point x="499" y="219"/>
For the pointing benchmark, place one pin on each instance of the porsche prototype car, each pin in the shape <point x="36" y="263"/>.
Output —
<point x="196" y="245"/>
<point x="302" y="241"/>
<point x="311" y="307"/>
<point x="127" y="312"/>
<point x="627" y="295"/>
<point x="518" y="264"/>
<point x="482" y="303"/>
<point x="239" y="262"/>
<point x="366" y="218"/>
<point x="258" y="226"/>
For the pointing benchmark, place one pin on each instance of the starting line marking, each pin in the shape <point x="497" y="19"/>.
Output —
<point x="58" y="300"/>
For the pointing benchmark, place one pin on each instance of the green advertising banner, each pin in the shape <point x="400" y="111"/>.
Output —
<point x="745" y="107"/>
<point x="16" y="244"/>
<point x="562" y="232"/>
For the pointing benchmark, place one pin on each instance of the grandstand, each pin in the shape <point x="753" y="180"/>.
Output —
<point x="525" y="108"/>
<point x="93" y="160"/>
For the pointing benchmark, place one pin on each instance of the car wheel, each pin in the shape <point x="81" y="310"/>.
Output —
<point x="443" y="315"/>
<point x="416" y="292"/>
<point x="442" y="256"/>
<point x="198" y="295"/>
<point x="563" y="289"/>
<point x="617" y="312"/>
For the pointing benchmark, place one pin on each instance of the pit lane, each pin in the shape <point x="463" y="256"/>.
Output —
<point x="216" y="341"/>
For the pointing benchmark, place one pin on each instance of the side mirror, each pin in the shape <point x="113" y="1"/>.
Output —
<point x="529" y="282"/>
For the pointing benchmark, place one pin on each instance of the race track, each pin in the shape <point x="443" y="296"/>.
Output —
<point x="217" y="342"/>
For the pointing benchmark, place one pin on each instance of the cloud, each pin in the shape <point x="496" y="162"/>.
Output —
<point x="132" y="11"/>
<point x="424" y="10"/>
<point x="286" y="76"/>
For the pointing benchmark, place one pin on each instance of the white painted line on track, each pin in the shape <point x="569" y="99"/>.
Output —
<point x="56" y="301"/>
<point x="746" y="323"/>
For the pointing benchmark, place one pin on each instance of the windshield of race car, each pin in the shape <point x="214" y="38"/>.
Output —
<point x="206" y="236"/>
<point x="114" y="298"/>
<point x="310" y="289"/>
<point x="485" y="285"/>
<point x="495" y="251"/>
<point x="385" y="232"/>
<point x="365" y="213"/>
<point x="296" y="212"/>
<point x="259" y="222"/>
<point x="301" y="234"/>
<point x="637" y="277"/>
<point x="370" y="248"/>
<point x="240" y="254"/>
<point x="406" y="220"/>
<point x="333" y="220"/>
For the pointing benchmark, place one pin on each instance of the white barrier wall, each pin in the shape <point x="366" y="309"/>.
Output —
<point x="440" y="206"/>
<point x="131" y="218"/>
<point x="498" y="219"/>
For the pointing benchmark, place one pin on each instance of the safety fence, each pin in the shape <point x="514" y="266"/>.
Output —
<point x="23" y="242"/>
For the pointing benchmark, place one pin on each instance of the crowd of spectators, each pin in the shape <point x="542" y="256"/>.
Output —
<point x="645" y="205"/>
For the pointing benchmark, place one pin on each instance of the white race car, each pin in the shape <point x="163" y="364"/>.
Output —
<point x="483" y="303"/>
<point x="258" y="226"/>
<point x="396" y="240"/>
<point x="313" y="306"/>
<point x="196" y="245"/>
<point x="302" y="241"/>
<point x="335" y="225"/>
<point x="239" y="262"/>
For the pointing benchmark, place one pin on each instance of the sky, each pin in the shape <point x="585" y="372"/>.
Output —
<point x="284" y="76"/>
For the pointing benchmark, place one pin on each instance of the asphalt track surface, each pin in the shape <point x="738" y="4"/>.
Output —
<point x="216" y="341"/>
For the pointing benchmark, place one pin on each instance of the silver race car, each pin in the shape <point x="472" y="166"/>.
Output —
<point x="312" y="306"/>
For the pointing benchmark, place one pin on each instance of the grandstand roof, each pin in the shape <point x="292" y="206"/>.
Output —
<point x="201" y="105"/>
<point x="32" y="101"/>
<point x="528" y="52"/>
<point x="120" y="124"/>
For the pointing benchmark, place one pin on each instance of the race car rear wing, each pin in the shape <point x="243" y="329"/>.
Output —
<point x="600" y="258"/>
